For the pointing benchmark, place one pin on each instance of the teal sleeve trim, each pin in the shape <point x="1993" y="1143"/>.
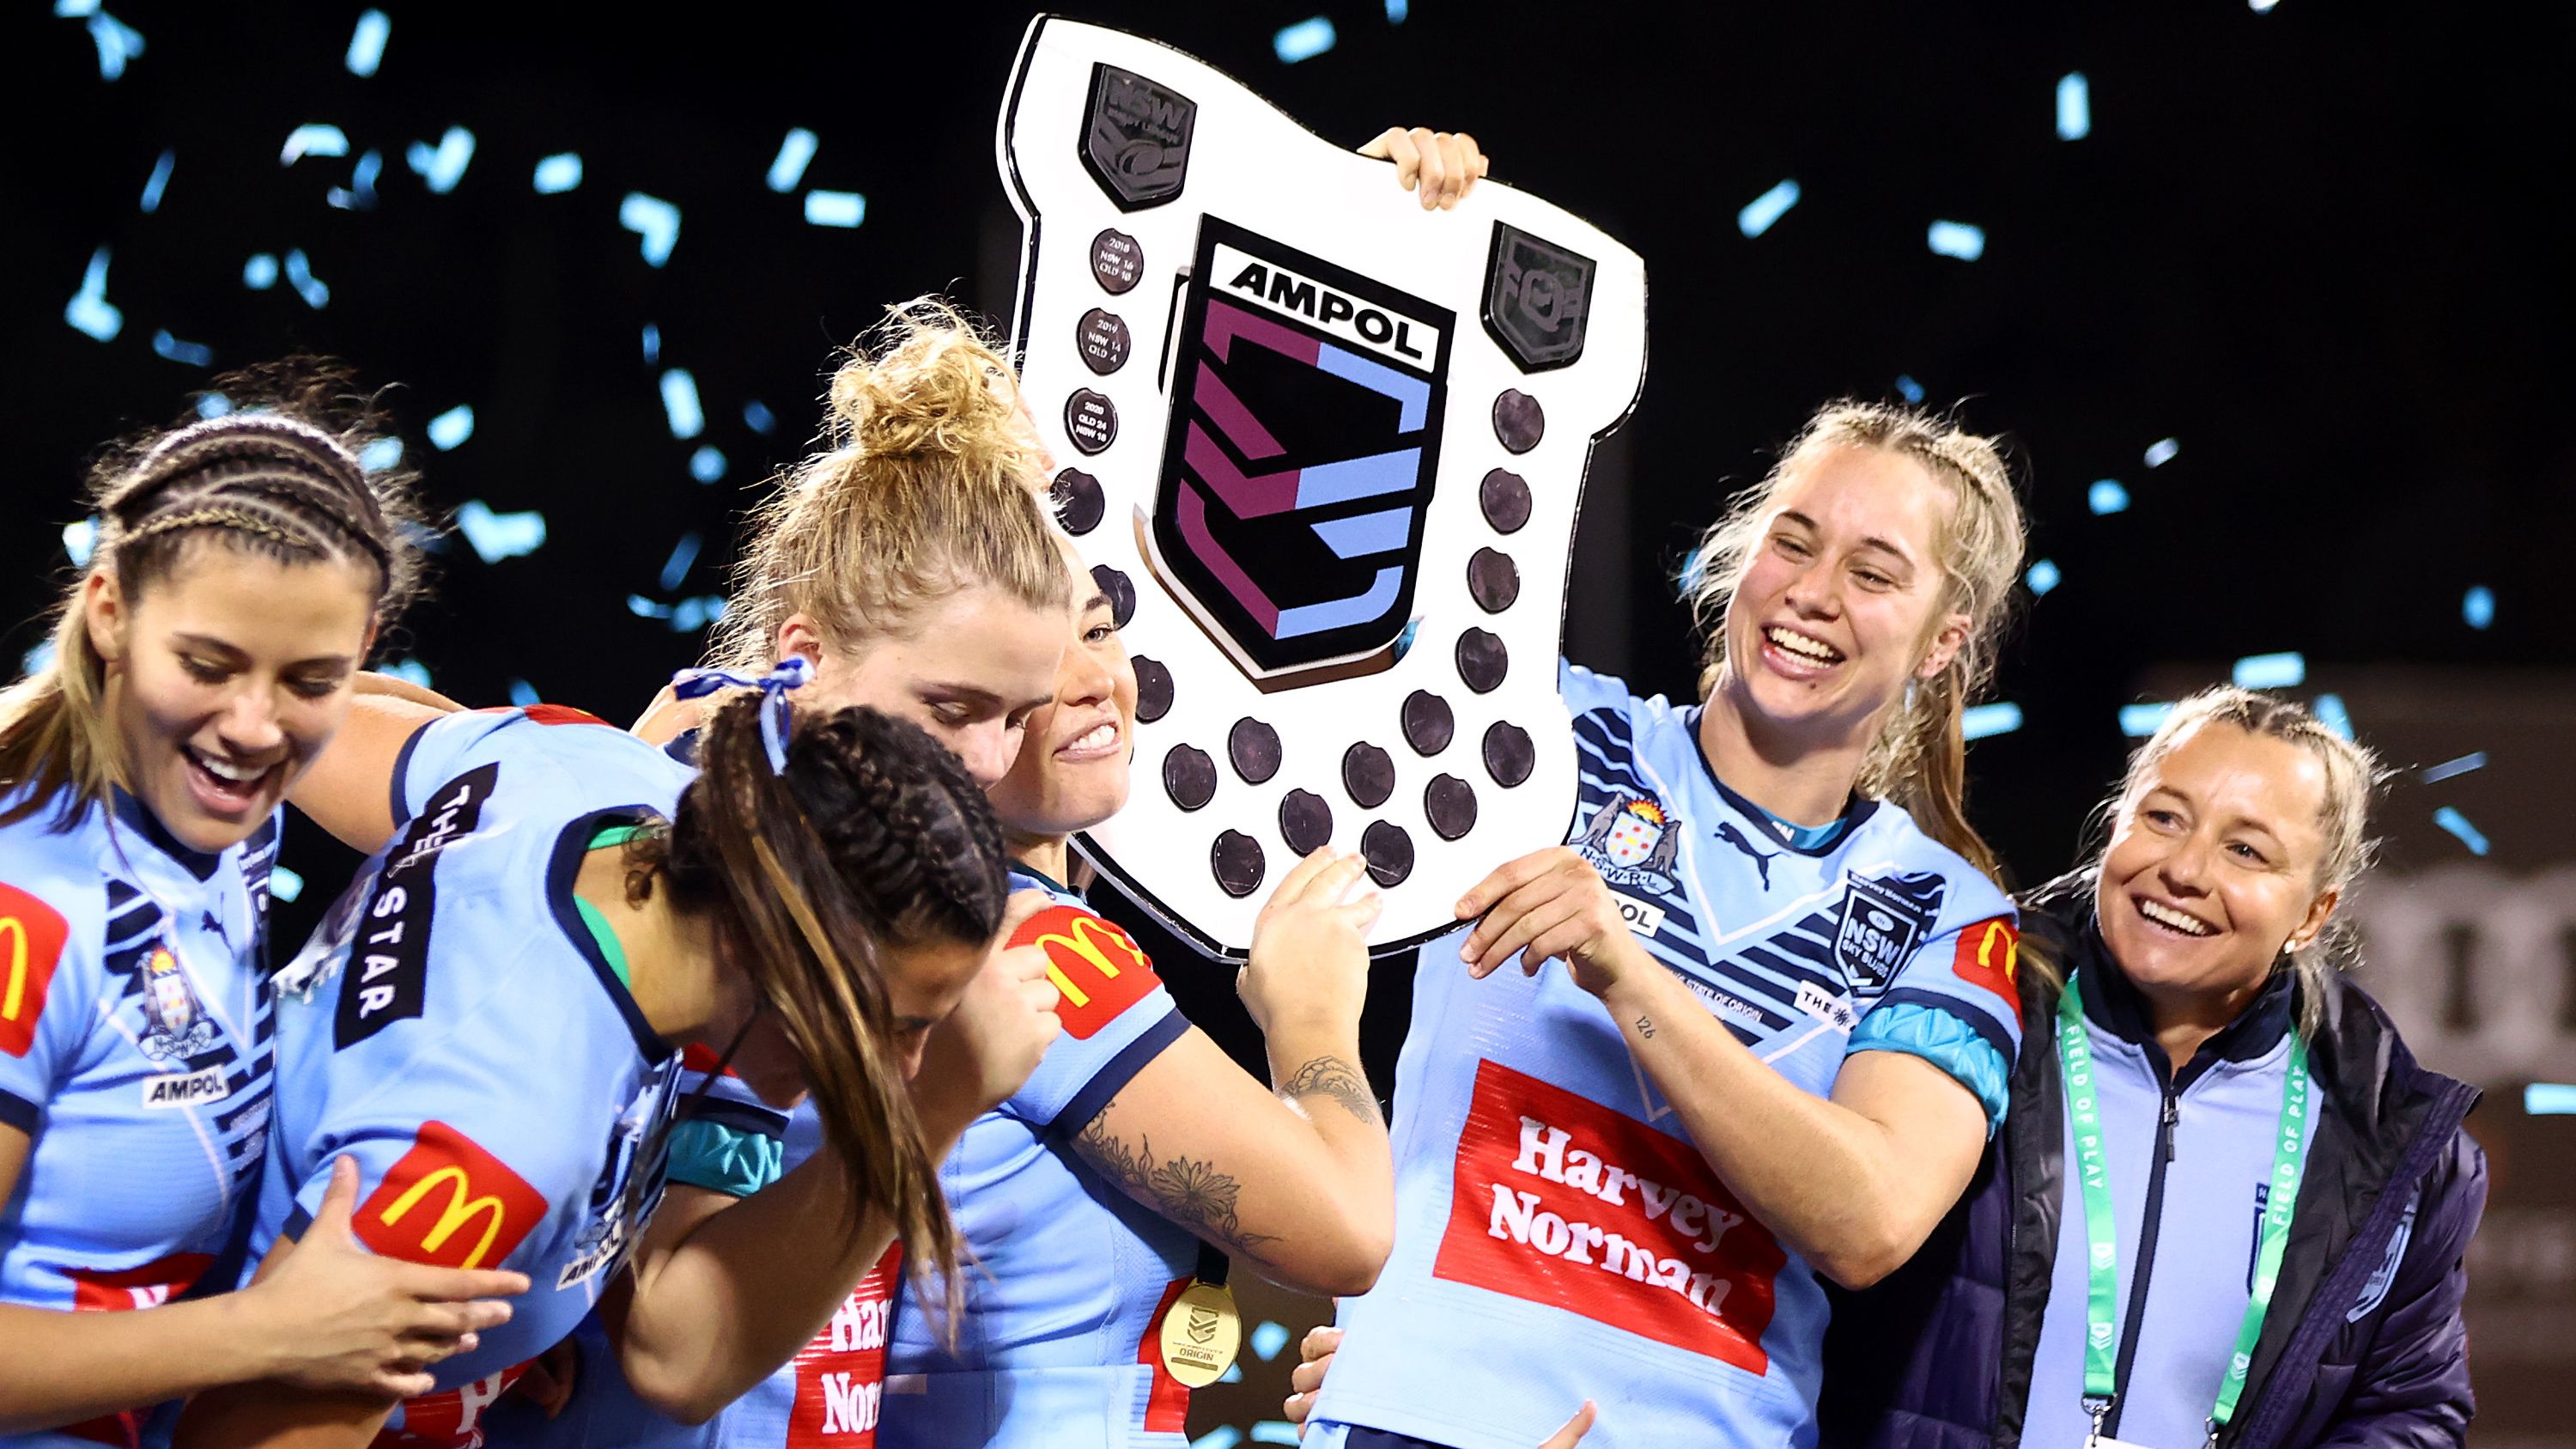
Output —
<point x="1941" y="1038"/>
<point x="724" y="1159"/>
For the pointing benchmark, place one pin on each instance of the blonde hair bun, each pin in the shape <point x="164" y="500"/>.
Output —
<point x="933" y="388"/>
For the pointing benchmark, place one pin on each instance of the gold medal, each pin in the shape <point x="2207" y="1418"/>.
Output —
<point x="1201" y="1334"/>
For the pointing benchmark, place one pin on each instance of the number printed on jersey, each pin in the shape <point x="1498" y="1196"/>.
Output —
<point x="1099" y="969"/>
<point x="1568" y="1203"/>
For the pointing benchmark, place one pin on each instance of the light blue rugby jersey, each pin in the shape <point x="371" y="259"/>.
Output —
<point x="1070" y="1272"/>
<point x="135" y="1050"/>
<point x="456" y="1026"/>
<point x="1557" y="1237"/>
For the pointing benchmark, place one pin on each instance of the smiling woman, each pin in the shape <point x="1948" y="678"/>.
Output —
<point x="203" y="659"/>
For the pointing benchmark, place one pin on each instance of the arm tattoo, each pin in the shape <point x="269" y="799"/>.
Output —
<point x="1645" y="1027"/>
<point x="1189" y="1191"/>
<point x="1332" y="1077"/>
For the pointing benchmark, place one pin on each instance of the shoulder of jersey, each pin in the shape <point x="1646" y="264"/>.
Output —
<point x="57" y="872"/>
<point x="1970" y="895"/>
<point x="1098" y="969"/>
<point x="590" y="751"/>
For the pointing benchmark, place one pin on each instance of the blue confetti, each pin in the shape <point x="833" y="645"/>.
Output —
<point x="260" y="272"/>
<point x="1956" y="239"/>
<point x="2261" y="7"/>
<point x="2450" y="819"/>
<point x="2107" y="496"/>
<point x="680" y="403"/>
<point x="451" y="427"/>
<point x="654" y="219"/>
<point x="1770" y="206"/>
<point x="2329" y="710"/>
<point x="2270" y="671"/>
<point x="299" y="275"/>
<point x="1274" y="1431"/>
<point x="644" y="608"/>
<point x="75" y="9"/>
<point x="1404" y="639"/>
<point x="2548" y="1099"/>
<point x="693" y="614"/>
<point x="410" y="671"/>
<point x="559" y="173"/>
<point x="683" y="554"/>
<point x="1981" y="720"/>
<point x="2138" y="721"/>
<point x="194" y="354"/>
<point x="1304" y="40"/>
<point x="2433" y="774"/>
<point x="757" y="417"/>
<point x="38" y="659"/>
<point x="381" y="454"/>
<point x="361" y="193"/>
<point x="284" y="884"/>
<point x="2162" y="451"/>
<point x="89" y="309"/>
<point x="793" y="155"/>
<point x="2043" y="576"/>
<point x="1233" y="1374"/>
<point x="1396" y="10"/>
<point x="1910" y="390"/>
<point x="652" y="344"/>
<point x="117" y="42"/>
<point x="80" y="540"/>
<point x="1268" y="1339"/>
<point x="2074" y="107"/>
<point x="213" y="405"/>
<point x="2477" y="607"/>
<point x="524" y="694"/>
<point x="1224" y="1436"/>
<point x="835" y="208"/>
<point x="160" y="181"/>
<point x="445" y="166"/>
<point x="496" y="536"/>
<point x="367" y="42"/>
<point x="313" y="139"/>
<point x="707" y="464"/>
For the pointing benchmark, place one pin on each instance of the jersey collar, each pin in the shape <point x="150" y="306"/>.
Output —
<point x="135" y="816"/>
<point x="1856" y="810"/>
<point x="561" y="870"/>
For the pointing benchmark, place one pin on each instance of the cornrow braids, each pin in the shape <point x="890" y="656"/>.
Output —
<point x="873" y="840"/>
<point x="279" y="477"/>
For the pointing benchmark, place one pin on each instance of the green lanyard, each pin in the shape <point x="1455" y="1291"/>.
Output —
<point x="2102" y="1250"/>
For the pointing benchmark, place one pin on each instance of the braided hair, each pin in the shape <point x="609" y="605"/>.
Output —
<point x="279" y="479"/>
<point x="873" y="838"/>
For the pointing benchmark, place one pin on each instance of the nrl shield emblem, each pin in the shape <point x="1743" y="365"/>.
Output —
<point x="1323" y="453"/>
<point x="1537" y="298"/>
<point x="1138" y="143"/>
<point x="1883" y="922"/>
<point x="1305" y="433"/>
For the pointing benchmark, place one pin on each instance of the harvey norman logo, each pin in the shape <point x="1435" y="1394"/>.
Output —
<point x="1408" y="341"/>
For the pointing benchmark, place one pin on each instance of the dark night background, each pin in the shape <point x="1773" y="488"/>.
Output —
<point x="2326" y="249"/>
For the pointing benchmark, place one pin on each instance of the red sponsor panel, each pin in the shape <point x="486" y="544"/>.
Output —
<point x="704" y="1059"/>
<point x="1167" y="1407"/>
<point x="452" y="1419"/>
<point x="1099" y="969"/>
<point x="840" y="1376"/>
<point x="450" y="1203"/>
<point x="1989" y="956"/>
<point x="1568" y="1203"/>
<point x="122" y="1291"/>
<point x="31" y="946"/>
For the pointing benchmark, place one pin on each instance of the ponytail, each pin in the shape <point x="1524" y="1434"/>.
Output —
<point x="283" y="482"/>
<point x="871" y="840"/>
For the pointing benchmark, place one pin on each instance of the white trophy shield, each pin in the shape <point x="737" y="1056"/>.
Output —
<point x="1324" y="450"/>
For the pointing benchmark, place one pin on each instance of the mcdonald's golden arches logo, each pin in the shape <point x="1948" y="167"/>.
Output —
<point x="1989" y="955"/>
<point x="450" y="1203"/>
<point x="1098" y="969"/>
<point x="31" y="945"/>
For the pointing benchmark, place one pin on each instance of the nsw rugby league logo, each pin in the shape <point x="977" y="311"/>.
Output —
<point x="1304" y="440"/>
<point x="1883" y="921"/>
<point x="1632" y="841"/>
<point x="1136" y="142"/>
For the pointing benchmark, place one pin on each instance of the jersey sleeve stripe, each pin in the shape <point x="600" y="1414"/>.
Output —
<point x="740" y="1117"/>
<point x="18" y="1112"/>
<point x="1117" y="1072"/>
<point x="1984" y="1025"/>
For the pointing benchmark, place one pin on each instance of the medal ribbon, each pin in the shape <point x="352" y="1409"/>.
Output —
<point x="2102" y="1250"/>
